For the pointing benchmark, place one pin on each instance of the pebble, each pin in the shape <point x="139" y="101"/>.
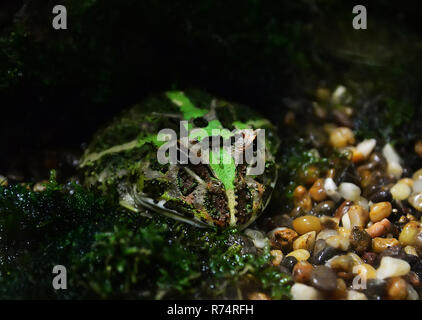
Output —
<point x="397" y="289"/>
<point x="392" y="267"/>
<point x="380" y="196"/>
<point x="344" y="232"/>
<point x="342" y="137"/>
<point x="363" y="202"/>
<point x="409" y="233"/>
<point x="277" y="257"/>
<point x="345" y="221"/>
<point x="258" y="238"/>
<point x="306" y="224"/>
<point x="380" y="211"/>
<point x="349" y="191"/>
<point x="409" y="182"/>
<point x="417" y="175"/>
<point x="390" y="154"/>
<point x="301" y="291"/>
<point x="369" y="257"/>
<point x="340" y="292"/>
<point x="375" y="289"/>
<point x="323" y="278"/>
<point x="341" y="263"/>
<point x="258" y="296"/>
<point x="400" y="191"/>
<point x="418" y="148"/>
<point x="282" y="238"/>
<point x="289" y="262"/>
<point x="381" y="244"/>
<point x="366" y="147"/>
<point x="317" y="191"/>
<point x="416" y="201"/>
<point x="300" y="254"/>
<point x="360" y="240"/>
<point x="338" y="242"/>
<point x="324" y="208"/>
<point x="331" y="189"/>
<point x="302" y="272"/>
<point x="356" y="295"/>
<point x="326" y="233"/>
<point x="358" y="216"/>
<point x="325" y="254"/>
<point x="417" y="186"/>
<point x="365" y="271"/>
<point x="305" y="241"/>
<point x="395" y="169"/>
<point x="302" y="199"/>
<point x="380" y="228"/>
<point x="412" y="294"/>
<point x="410" y="250"/>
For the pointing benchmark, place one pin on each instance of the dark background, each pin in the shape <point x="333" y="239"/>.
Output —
<point x="58" y="87"/>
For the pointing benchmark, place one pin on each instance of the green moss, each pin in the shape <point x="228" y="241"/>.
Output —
<point x="110" y="252"/>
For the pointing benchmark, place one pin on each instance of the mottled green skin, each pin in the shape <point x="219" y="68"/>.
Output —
<point x="122" y="160"/>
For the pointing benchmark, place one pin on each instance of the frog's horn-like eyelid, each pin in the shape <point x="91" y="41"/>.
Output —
<point x="194" y="175"/>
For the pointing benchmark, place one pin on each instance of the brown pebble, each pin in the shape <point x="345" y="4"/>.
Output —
<point x="317" y="191"/>
<point x="258" y="296"/>
<point x="342" y="210"/>
<point x="369" y="257"/>
<point x="413" y="279"/>
<point x="306" y="224"/>
<point x="380" y="228"/>
<point x="380" y="211"/>
<point x="283" y="239"/>
<point x="302" y="272"/>
<point x="381" y="244"/>
<point x="396" y="289"/>
<point x="418" y="148"/>
<point x="358" y="216"/>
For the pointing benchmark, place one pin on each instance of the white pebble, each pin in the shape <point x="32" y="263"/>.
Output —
<point x="345" y="220"/>
<point x="390" y="154"/>
<point x="416" y="201"/>
<point x="356" y="295"/>
<point x="301" y="291"/>
<point x="417" y="186"/>
<point x="366" y="147"/>
<point x="400" y="191"/>
<point x="412" y="294"/>
<point x="326" y="233"/>
<point x="349" y="191"/>
<point x="392" y="267"/>
<point x="257" y="237"/>
<point x="395" y="169"/>
<point x="331" y="189"/>
<point x="364" y="203"/>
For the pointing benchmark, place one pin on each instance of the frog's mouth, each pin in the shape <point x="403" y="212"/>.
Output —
<point x="160" y="208"/>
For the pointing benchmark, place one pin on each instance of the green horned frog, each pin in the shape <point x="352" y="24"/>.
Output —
<point x="122" y="160"/>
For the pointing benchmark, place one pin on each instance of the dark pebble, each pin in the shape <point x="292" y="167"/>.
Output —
<point x="381" y="196"/>
<point x="369" y="258"/>
<point x="325" y="254"/>
<point x="325" y="208"/>
<point x="323" y="278"/>
<point x="375" y="289"/>
<point x="289" y="262"/>
<point x="283" y="269"/>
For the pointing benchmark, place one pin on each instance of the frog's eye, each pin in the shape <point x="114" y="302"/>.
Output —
<point x="200" y="122"/>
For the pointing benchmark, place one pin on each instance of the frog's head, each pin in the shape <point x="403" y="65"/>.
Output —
<point x="216" y="189"/>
